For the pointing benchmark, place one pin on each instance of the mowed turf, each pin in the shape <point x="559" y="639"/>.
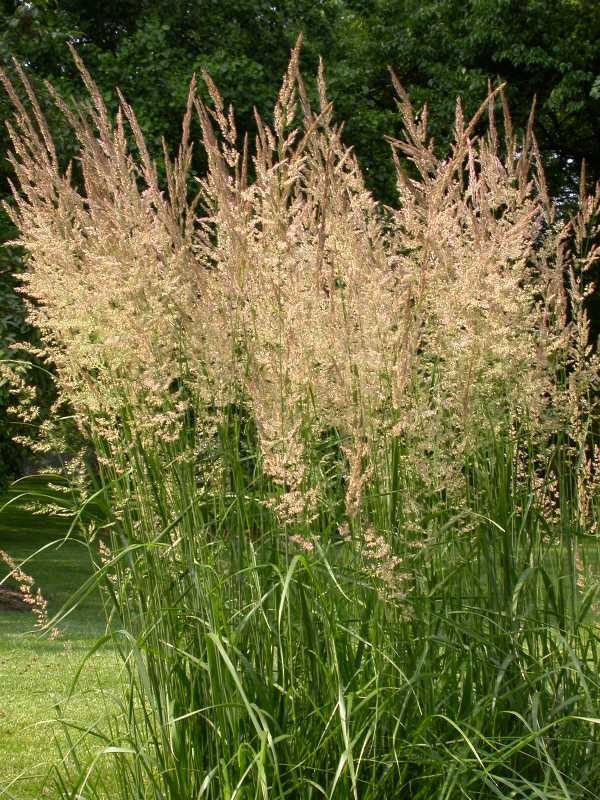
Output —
<point x="37" y="674"/>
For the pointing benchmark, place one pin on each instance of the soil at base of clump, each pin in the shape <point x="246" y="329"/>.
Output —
<point x="10" y="600"/>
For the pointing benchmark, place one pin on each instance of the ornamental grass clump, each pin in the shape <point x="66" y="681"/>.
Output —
<point x="344" y="454"/>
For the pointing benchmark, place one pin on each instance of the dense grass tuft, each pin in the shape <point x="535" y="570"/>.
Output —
<point x="338" y="474"/>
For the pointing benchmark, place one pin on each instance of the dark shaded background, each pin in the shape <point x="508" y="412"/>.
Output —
<point x="439" y="48"/>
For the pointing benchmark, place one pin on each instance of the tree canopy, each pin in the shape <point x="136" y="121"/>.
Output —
<point x="543" y="49"/>
<point x="549" y="49"/>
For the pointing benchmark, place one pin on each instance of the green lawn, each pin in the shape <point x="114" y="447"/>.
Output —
<point x="36" y="674"/>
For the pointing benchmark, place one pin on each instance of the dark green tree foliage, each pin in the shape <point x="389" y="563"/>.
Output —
<point x="549" y="49"/>
<point x="439" y="49"/>
<point x="13" y="328"/>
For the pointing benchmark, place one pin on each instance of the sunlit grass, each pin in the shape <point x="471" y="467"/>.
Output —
<point x="36" y="674"/>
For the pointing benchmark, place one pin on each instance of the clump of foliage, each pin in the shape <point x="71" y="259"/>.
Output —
<point x="345" y="451"/>
<point x="13" y="328"/>
<point x="442" y="48"/>
<point x="541" y="47"/>
<point x="21" y="364"/>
